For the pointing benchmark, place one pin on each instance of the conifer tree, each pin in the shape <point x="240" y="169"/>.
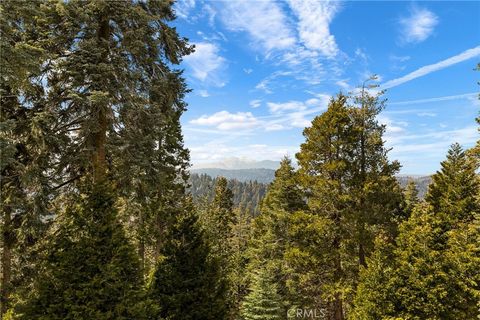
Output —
<point x="115" y="105"/>
<point x="89" y="269"/>
<point x="220" y="220"/>
<point x="187" y="283"/>
<point x="24" y="137"/>
<point x="352" y="193"/>
<point x="455" y="188"/>
<point x="431" y="273"/>
<point x="411" y="197"/>
<point x="270" y="230"/>
<point x="263" y="301"/>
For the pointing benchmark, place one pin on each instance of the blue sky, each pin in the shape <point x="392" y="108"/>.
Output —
<point x="263" y="70"/>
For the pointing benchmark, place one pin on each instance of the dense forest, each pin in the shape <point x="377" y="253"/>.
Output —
<point x="97" y="221"/>
<point x="246" y="195"/>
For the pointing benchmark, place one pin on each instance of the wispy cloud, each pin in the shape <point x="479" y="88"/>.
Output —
<point x="264" y="21"/>
<point x="301" y="43"/>
<point x="255" y="103"/>
<point x="418" y="26"/>
<point x="203" y="93"/>
<point x="182" y="8"/>
<point x="436" y="99"/>
<point x="313" y="27"/>
<point x="465" y="55"/>
<point x="290" y="105"/>
<point x="206" y="64"/>
<point x="246" y="156"/>
<point x="225" y="120"/>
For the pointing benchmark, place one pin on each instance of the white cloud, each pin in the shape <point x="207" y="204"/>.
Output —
<point x="264" y="85"/>
<point x="360" y="53"/>
<point x="426" y="114"/>
<point x="203" y="93"/>
<point x="245" y="156"/>
<point x="302" y="43"/>
<point x="418" y="26"/>
<point x="206" y="64"/>
<point x="343" y="84"/>
<point x="255" y="103"/>
<point x="182" y="8"/>
<point x="466" y="55"/>
<point x="247" y="70"/>
<point x="314" y="19"/>
<point x="274" y="127"/>
<point x="399" y="58"/>
<point x="290" y="105"/>
<point x="225" y="120"/>
<point x="437" y="99"/>
<point x="392" y="127"/>
<point x="264" y="21"/>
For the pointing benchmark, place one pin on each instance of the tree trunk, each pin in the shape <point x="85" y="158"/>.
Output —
<point x="99" y="164"/>
<point x="361" y="255"/>
<point x="7" y="239"/>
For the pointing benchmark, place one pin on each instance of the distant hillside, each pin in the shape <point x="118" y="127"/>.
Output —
<point x="421" y="182"/>
<point x="243" y="175"/>
<point x="267" y="175"/>
<point x="247" y="195"/>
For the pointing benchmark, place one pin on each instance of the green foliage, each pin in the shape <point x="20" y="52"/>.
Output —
<point x="431" y="273"/>
<point x="410" y="197"/>
<point x="263" y="301"/>
<point x="455" y="188"/>
<point x="187" y="283"/>
<point x="270" y="230"/>
<point x="89" y="270"/>
<point x="246" y="195"/>
<point x="352" y="195"/>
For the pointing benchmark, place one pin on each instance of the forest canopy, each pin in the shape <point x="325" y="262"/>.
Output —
<point x="101" y="219"/>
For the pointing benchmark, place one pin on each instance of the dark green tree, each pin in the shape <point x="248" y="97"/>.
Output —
<point x="351" y="187"/>
<point x="187" y="283"/>
<point x="89" y="269"/>
<point x="411" y="197"/>
<point x="263" y="301"/>
<point x="455" y="187"/>
<point x="270" y="230"/>
<point x="25" y="120"/>
<point x="431" y="273"/>
<point x="219" y="221"/>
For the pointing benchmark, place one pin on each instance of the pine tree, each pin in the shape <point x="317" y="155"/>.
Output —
<point x="430" y="274"/>
<point x="455" y="188"/>
<point x="270" y="230"/>
<point x="263" y="301"/>
<point x="352" y="193"/>
<point x="411" y="197"/>
<point x="187" y="283"/>
<point x="89" y="269"/>
<point x="24" y="137"/>
<point x="117" y="102"/>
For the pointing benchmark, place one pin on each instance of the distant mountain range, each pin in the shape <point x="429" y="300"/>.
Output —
<point x="257" y="174"/>
<point x="266" y="175"/>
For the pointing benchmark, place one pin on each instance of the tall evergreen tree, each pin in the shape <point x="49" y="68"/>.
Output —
<point x="431" y="273"/>
<point x="455" y="188"/>
<point x="219" y="221"/>
<point x="263" y="301"/>
<point x="25" y="119"/>
<point x="270" y="230"/>
<point x="351" y="187"/>
<point x="118" y="104"/>
<point x="89" y="271"/>
<point x="187" y="283"/>
<point x="108" y="77"/>
<point x="411" y="197"/>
